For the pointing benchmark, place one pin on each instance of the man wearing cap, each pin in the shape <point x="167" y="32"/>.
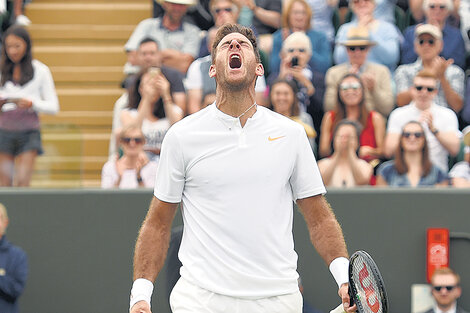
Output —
<point x="376" y="77"/>
<point x="428" y="44"/>
<point x="460" y="172"/>
<point x="179" y="41"/>
<point x="436" y="12"/>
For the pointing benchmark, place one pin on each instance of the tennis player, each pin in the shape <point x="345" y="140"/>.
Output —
<point x="236" y="168"/>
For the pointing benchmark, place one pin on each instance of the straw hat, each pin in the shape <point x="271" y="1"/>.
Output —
<point x="358" y="36"/>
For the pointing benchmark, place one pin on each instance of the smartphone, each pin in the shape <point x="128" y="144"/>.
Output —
<point x="294" y="61"/>
<point x="154" y="71"/>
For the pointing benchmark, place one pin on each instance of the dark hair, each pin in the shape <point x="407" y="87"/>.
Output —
<point x="227" y="29"/>
<point x="149" y="39"/>
<point x="341" y="106"/>
<point x="357" y="128"/>
<point x="26" y="66"/>
<point x="295" y="109"/>
<point x="135" y="97"/>
<point x="400" y="164"/>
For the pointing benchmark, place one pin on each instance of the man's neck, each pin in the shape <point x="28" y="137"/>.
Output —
<point x="236" y="103"/>
<point x="422" y="106"/>
<point x="452" y="308"/>
<point x="170" y="23"/>
<point x="427" y="63"/>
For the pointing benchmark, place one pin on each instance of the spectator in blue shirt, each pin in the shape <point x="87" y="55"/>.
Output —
<point x="437" y="12"/>
<point x="13" y="269"/>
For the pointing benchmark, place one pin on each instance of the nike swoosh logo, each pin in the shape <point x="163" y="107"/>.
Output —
<point x="275" y="138"/>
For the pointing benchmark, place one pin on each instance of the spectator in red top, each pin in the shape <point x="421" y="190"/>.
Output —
<point x="351" y="105"/>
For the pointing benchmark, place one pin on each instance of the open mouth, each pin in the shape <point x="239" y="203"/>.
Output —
<point x="235" y="61"/>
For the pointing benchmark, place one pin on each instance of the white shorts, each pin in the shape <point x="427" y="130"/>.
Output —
<point x="189" y="298"/>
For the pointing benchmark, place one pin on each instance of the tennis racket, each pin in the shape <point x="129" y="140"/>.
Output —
<point x="366" y="286"/>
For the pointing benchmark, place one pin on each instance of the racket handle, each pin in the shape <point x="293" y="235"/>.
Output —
<point x="338" y="309"/>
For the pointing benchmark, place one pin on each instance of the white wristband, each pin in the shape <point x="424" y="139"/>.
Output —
<point x="339" y="268"/>
<point x="141" y="290"/>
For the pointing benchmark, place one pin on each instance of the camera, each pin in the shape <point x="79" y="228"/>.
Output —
<point x="294" y="61"/>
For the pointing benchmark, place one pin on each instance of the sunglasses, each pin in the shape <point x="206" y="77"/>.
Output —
<point x="218" y="10"/>
<point x="441" y="6"/>
<point x="302" y="50"/>
<point x="354" y="86"/>
<point x="354" y="48"/>
<point x="137" y="140"/>
<point x="415" y="134"/>
<point x="438" y="288"/>
<point x="429" y="41"/>
<point x="429" y="89"/>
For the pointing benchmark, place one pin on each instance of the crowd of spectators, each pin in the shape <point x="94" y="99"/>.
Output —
<point x="382" y="99"/>
<point x="380" y="65"/>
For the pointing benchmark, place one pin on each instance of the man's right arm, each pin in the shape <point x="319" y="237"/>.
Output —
<point x="152" y="245"/>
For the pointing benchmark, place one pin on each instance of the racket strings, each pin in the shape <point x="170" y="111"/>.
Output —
<point x="368" y="287"/>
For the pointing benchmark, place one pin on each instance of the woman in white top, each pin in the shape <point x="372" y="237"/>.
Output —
<point x="26" y="88"/>
<point x="151" y="106"/>
<point x="133" y="169"/>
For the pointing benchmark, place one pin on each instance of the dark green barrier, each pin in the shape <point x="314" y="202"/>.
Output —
<point x="80" y="244"/>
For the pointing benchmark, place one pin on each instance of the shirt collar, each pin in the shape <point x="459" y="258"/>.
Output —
<point x="161" y="26"/>
<point x="453" y="309"/>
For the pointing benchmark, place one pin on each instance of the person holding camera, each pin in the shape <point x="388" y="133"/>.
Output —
<point x="295" y="55"/>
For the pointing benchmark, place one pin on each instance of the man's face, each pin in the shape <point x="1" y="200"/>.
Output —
<point x="235" y="66"/>
<point x="357" y="54"/>
<point x="445" y="298"/>
<point x="423" y="91"/>
<point x="149" y="55"/>
<point x="3" y="224"/>
<point x="174" y="11"/>
<point x="224" y="12"/>
<point x="437" y="11"/>
<point x="427" y="47"/>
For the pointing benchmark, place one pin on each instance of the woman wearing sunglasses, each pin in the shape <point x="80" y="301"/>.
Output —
<point x="152" y="108"/>
<point x="351" y="105"/>
<point x="133" y="169"/>
<point x="411" y="165"/>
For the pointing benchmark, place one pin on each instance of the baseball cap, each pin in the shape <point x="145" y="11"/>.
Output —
<point x="428" y="29"/>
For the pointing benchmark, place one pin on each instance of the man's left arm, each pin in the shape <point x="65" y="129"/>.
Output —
<point x="327" y="237"/>
<point x="453" y="87"/>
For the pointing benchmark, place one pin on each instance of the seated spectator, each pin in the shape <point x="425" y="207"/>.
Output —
<point x="223" y="11"/>
<point x="152" y="108"/>
<point x="26" y="88"/>
<point x="412" y="166"/>
<point x="133" y="169"/>
<point x="416" y="8"/>
<point x="350" y="105"/>
<point x="464" y="13"/>
<point x="296" y="16"/>
<point x="376" y="77"/>
<point x="428" y="44"/>
<point x="386" y="36"/>
<point x="201" y="87"/>
<point x="436" y="12"/>
<point x="178" y="41"/>
<point x="439" y="123"/>
<point x="149" y="56"/>
<point x="296" y="51"/>
<point x="264" y="16"/>
<point x="384" y="10"/>
<point x="344" y="168"/>
<point x="322" y="20"/>
<point x="283" y="100"/>
<point x="197" y="14"/>
<point x="446" y="290"/>
<point x="460" y="172"/>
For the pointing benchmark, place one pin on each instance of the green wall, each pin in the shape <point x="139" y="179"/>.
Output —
<point x="80" y="244"/>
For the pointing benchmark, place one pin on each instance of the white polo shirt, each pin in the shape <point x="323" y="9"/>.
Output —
<point x="237" y="186"/>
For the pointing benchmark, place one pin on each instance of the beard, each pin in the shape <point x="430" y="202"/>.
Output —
<point x="235" y="85"/>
